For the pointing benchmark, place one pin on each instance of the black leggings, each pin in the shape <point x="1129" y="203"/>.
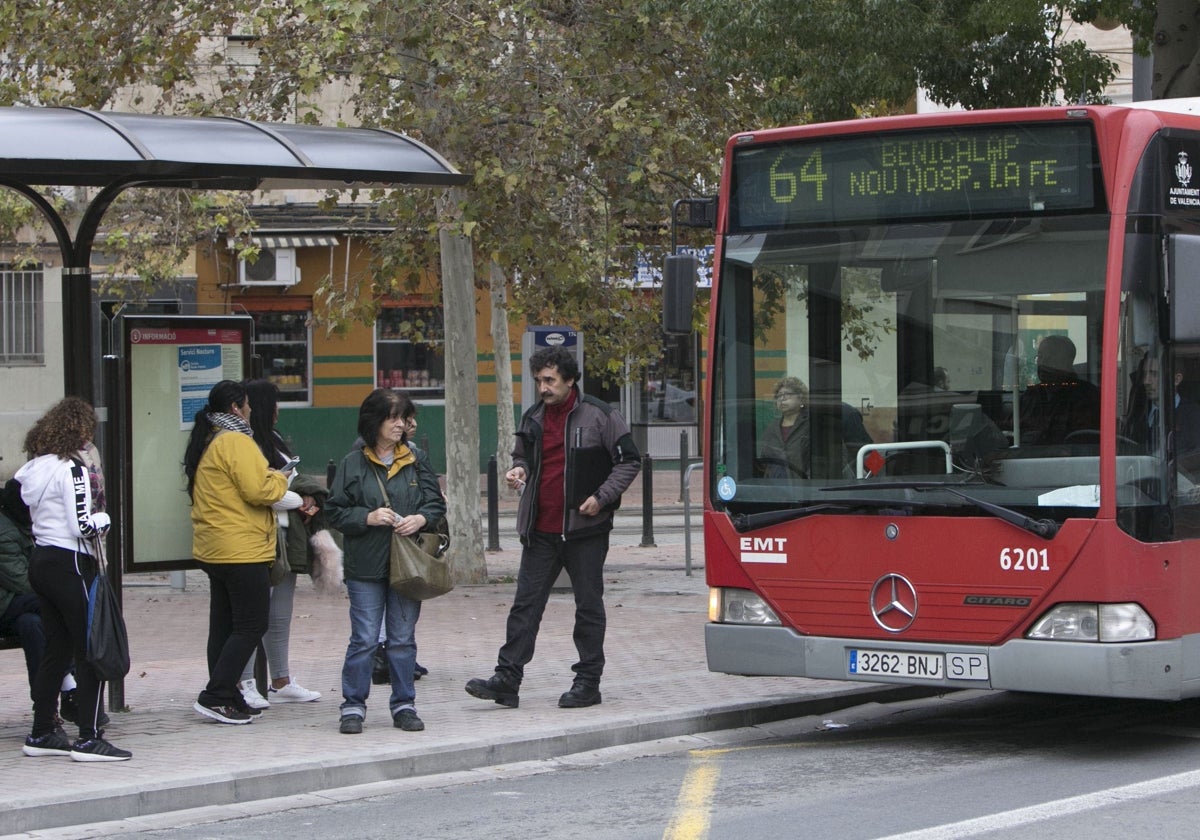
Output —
<point x="238" y="606"/>
<point x="61" y="579"/>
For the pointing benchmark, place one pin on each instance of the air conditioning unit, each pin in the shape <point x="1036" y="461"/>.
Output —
<point x="274" y="267"/>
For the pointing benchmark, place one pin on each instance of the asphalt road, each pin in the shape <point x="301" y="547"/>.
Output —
<point x="970" y="764"/>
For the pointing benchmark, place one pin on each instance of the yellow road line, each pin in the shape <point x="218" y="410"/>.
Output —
<point x="692" y="807"/>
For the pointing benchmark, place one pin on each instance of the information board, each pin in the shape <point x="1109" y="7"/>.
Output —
<point x="947" y="172"/>
<point x="170" y="365"/>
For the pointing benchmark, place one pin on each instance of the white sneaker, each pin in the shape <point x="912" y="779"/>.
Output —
<point x="250" y="694"/>
<point x="293" y="692"/>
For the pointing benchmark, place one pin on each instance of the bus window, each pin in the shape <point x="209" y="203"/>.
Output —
<point x="916" y="347"/>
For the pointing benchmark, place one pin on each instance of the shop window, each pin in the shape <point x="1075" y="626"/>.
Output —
<point x="409" y="350"/>
<point x="282" y="340"/>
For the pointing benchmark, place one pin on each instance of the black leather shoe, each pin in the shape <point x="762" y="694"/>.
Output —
<point x="580" y="695"/>
<point x="494" y="688"/>
<point x="350" y="725"/>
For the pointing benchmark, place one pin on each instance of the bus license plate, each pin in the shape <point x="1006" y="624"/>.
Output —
<point x="895" y="663"/>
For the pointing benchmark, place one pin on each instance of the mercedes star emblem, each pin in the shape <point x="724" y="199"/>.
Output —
<point x="894" y="603"/>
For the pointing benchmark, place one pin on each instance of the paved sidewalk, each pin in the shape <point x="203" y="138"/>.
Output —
<point x="656" y="685"/>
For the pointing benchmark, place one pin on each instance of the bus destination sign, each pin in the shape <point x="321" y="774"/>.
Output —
<point x="959" y="172"/>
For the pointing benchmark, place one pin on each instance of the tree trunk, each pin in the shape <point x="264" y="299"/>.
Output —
<point x="462" y="395"/>
<point x="506" y="426"/>
<point x="1174" y="49"/>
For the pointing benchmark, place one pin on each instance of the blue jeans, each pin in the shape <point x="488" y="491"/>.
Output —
<point x="372" y="601"/>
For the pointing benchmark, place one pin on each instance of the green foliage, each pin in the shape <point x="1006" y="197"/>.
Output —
<point x="18" y="219"/>
<point x="579" y="123"/>
<point x="150" y="233"/>
<point x="977" y="53"/>
<point x="81" y="52"/>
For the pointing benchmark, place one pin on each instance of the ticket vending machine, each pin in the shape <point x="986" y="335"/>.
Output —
<point x="536" y="338"/>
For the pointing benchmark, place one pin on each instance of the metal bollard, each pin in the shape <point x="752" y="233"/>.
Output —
<point x="683" y="463"/>
<point x="493" y="504"/>
<point x="687" y="518"/>
<point x="647" y="502"/>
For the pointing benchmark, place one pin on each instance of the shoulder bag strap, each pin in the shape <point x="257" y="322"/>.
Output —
<point x="387" y="502"/>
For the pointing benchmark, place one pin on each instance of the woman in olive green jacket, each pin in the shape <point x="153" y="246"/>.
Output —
<point x="367" y="518"/>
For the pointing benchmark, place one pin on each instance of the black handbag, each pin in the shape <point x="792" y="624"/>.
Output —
<point x="107" y="638"/>
<point x="417" y="567"/>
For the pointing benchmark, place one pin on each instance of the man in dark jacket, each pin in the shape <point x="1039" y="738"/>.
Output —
<point x="573" y="459"/>
<point x="1061" y="403"/>
<point x="19" y="606"/>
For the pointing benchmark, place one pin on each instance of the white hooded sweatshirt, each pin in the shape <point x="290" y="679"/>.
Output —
<point x="59" y="495"/>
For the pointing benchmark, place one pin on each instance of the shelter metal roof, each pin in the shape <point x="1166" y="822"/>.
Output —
<point x="76" y="147"/>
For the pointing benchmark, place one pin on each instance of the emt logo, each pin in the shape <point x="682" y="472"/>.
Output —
<point x="763" y="549"/>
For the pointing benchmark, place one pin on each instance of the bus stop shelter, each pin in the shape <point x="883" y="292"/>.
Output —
<point x="113" y="152"/>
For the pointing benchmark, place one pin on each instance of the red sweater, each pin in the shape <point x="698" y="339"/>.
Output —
<point x="552" y="490"/>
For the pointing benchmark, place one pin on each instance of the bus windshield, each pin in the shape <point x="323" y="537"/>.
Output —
<point x="864" y="367"/>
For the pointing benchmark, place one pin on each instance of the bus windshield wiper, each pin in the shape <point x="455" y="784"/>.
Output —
<point x="743" y="522"/>
<point x="1044" y="528"/>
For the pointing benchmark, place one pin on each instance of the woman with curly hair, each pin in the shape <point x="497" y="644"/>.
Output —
<point x="63" y="485"/>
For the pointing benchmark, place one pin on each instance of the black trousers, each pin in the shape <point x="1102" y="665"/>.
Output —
<point x="22" y="618"/>
<point x="238" y="605"/>
<point x="541" y="561"/>
<point x="61" y="579"/>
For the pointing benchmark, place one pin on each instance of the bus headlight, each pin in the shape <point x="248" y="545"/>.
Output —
<point x="738" y="606"/>
<point x="1094" y="623"/>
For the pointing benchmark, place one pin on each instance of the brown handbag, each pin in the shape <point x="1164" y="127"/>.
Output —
<point x="418" y="568"/>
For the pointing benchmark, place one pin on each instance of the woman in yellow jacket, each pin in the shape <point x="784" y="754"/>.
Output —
<point x="233" y="539"/>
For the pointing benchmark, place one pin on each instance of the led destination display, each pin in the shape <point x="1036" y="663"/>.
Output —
<point x="945" y="173"/>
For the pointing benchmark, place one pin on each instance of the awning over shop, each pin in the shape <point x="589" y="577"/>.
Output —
<point x="281" y="240"/>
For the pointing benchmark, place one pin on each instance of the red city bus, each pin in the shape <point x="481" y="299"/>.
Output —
<point x="953" y="396"/>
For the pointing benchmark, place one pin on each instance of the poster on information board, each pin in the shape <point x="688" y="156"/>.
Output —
<point x="170" y="365"/>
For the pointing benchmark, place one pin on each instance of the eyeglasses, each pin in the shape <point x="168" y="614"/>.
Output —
<point x="783" y="395"/>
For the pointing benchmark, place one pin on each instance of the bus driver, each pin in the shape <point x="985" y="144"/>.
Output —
<point x="1061" y="403"/>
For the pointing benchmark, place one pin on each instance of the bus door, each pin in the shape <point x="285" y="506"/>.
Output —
<point x="1158" y="400"/>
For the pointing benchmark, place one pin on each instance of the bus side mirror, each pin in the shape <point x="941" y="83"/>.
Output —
<point x="1184" y="265"/>
<point x="679" y="292"/>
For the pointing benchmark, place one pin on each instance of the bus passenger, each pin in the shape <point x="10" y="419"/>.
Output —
<point x="1061" y="403"/>
<point x="1144" y="421"/>
<point x="785" y="441"/>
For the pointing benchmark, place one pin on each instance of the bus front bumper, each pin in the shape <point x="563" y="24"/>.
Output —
<point x="1156" y="670"/>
